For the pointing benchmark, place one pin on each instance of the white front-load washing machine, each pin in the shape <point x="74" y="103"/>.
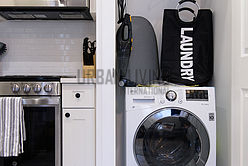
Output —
<point x="170" y="126"/>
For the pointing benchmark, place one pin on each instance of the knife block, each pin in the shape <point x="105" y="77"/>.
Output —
<point x="89" y="71"/>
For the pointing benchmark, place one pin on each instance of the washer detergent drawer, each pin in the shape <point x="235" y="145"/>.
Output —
<point x="78" y="137"/>
<point x="78" y="95"/>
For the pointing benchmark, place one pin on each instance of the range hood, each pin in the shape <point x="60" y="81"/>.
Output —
<point x="47" y="9"/>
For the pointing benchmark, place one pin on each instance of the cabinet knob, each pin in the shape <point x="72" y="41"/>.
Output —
<point x="77" y="95"/>
<point x="67" y="115"/>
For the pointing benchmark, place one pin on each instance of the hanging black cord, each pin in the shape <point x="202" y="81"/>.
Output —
<point x="121" y="10"/>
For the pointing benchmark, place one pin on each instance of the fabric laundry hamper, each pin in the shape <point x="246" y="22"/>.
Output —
<point x="187" y="48"/>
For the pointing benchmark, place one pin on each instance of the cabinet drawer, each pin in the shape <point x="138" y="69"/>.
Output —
<point x="78" y="95"/>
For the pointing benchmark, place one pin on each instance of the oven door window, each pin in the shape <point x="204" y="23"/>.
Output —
<point x="171" y="137"/>
<point x="39" y="147"/>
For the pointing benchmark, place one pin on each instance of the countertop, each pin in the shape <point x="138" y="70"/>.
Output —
<point x="78" y="80"/>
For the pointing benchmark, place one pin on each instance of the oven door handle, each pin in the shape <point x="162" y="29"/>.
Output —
<point x="39" y="101"/>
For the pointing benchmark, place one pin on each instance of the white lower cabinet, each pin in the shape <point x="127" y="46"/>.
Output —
<point x="78" y="137"/>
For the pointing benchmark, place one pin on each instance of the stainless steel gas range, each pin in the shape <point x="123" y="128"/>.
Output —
<point x="41" y="97"/>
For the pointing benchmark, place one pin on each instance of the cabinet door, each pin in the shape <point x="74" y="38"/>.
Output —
<point x="78" y="137"/>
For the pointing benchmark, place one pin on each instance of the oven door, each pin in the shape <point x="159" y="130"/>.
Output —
<point x="43" y="133"/>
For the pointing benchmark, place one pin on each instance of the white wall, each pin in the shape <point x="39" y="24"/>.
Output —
<point x="43" y="47"/>
<point x="222" y="76"/>
<point x="153" y="11"/>
<point x="105" y="92"/>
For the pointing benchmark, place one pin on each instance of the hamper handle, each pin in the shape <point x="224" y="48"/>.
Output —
<point x="182" y="1"/>
<point x="188" y="9"/>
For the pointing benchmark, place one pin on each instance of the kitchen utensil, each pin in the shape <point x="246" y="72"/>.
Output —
<point x="85" y="51"/>
<point x="89" y="50"/>
<point x="3" y="48"/>
<point x="92" y="50"/>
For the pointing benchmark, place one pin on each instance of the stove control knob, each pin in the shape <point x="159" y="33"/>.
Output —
<point x="16" y="88"/>
<point x="37" y="88"/>
<point x="171" y="95"/>
<point x="26" y="88"/>
<point x="48" y="88"/>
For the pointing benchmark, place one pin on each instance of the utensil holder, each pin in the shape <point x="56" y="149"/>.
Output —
<point x="89" y="71"/>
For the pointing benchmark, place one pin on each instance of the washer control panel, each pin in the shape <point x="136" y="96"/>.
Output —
<point x="147" y="97"/>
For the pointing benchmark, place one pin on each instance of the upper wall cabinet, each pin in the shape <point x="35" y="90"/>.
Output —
<point x="47" y="9"/>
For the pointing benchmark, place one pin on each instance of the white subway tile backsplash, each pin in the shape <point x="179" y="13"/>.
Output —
<point x="44" y="47"/>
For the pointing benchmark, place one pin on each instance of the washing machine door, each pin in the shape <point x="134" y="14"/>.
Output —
<point x="171" y="137"/>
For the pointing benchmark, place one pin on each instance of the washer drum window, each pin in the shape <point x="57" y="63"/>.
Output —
<point x="171" y="137"/>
